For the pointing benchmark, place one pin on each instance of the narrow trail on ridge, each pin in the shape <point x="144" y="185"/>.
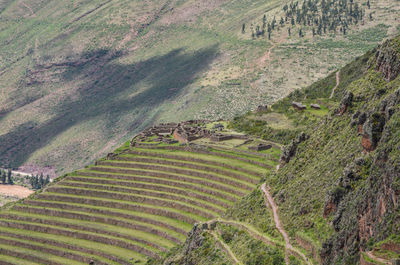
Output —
<point x="288" y="246"/>
<point x="337" y="83"/>
<point x="226" y="249"/>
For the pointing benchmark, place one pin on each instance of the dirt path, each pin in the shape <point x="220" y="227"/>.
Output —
<point x="337" y="83"/>
<point x="375" y="258"/>
<point x="267" y="56"/>
<point x="289" y="248"/>
<point x="226" y="248"/>
<point x="28" y="7"/>
<point x="15" y="190"/>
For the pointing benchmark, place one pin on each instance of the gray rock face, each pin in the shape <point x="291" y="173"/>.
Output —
<point x="289" y="151"/>
<point x="372" y="131"/>
<point x="346" y="102"/>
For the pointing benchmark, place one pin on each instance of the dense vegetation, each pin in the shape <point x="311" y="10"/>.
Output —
<point x="320" y="17"/>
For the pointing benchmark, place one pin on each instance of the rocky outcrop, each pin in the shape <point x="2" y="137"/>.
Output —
<point x="372" y="131"/>
<point x="346" y="102"/>
<point x="289" y="151"/>
<point x="388" y="60"/>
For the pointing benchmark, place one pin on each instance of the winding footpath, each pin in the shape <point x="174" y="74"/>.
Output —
<point x="288" y="246"/>
<point x="337" y="83"/>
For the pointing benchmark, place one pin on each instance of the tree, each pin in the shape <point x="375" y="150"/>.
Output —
<point x="41" y="180"/>
<point x="264" y="21"/>
<point x="3" y="176"/>
<point x="288" y="30"/>
<point x="243" y="28"/>
<point x="9" y="178"/>
<point x="292" y="21"/>
<point x="47" y="181"/>
<point x="300" y="33"/>
<point x="368" y="4"/>
<point x="281" y="22"/>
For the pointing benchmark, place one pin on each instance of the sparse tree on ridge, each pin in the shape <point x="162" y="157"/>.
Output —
<point x="243" y="28"/>
<point x="47" y="181"/>
<point x="3" y="176"/>
<point x="9" y="178"/>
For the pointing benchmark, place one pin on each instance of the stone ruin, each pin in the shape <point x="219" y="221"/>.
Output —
<point x="171" y="133"/>
<point x="183" y="132"/>
<point x="260" y="147"/>
<point x="298" y="105"/>
<point x="315" y="106"/>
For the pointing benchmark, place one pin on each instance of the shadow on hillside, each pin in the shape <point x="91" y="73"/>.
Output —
<point x="112" y="89"/>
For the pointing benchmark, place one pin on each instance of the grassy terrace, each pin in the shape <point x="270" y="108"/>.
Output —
<point x="137" y="204"/>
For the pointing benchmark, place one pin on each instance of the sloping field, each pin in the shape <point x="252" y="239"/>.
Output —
<point x="136" y="204"/>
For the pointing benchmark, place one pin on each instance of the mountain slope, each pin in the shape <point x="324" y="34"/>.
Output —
<point x="78" y="78"/>
<point x="337" y="188"/>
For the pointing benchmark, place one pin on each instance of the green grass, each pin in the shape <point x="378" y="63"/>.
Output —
<point x="208" y="157"/>
<point x="196" y="194"/>
<point x="105" y="248"/>
<point x="107" y="187"/>
<point x="190" y="163"/>
<point x="167" y="168"/>
<point x="16" y="260"/>
<point x="45" y="256"/>
<point x="184" y="175"/>
<point x="107" y="227"/>
<point x="171" y="181"/>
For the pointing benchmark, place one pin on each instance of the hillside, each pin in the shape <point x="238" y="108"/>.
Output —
<point x="336" y="193"/>
<point x="202" y="192"/>
<point x="79" y="78"/>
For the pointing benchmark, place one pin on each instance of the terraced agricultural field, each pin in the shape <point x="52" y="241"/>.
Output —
<point x="137" y="203"/>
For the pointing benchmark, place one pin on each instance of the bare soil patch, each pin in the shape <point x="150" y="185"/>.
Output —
<point x="15" y="190"/>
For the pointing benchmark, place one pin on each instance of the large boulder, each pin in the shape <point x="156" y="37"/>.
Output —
<point x="372" y="131"/>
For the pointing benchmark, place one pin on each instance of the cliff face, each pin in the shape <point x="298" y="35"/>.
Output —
<point x="341" y="187"/>
<point x="367" y="209"/>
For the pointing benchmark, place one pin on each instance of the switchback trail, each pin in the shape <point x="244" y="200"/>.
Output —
<point x="289" y="248"/>
<point x="337" y="83"/>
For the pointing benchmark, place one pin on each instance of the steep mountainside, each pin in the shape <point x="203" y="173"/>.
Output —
<point x="337" y="189"/>
<point x="80" y="77"/>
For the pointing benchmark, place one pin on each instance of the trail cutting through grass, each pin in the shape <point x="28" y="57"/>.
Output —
<point x="288" y="246"/>
<point x="337" y="83"/>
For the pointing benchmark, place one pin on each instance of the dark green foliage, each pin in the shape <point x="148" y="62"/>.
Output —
<point x="37" y="182"/>
<point x="9" y="178"/>
<point x="331" y="15"/>
<point x="3" y="176"/>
